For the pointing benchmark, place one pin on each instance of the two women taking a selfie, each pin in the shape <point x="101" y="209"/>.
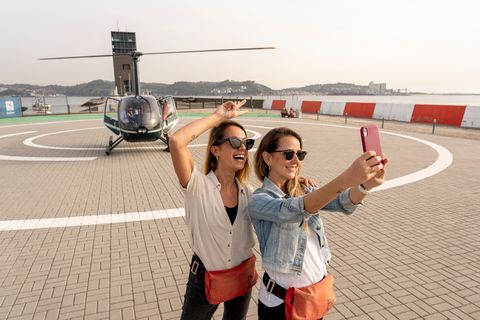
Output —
<point x="285" y="212"/>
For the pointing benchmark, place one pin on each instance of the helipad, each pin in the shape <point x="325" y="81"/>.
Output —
<point x="90" y="236"/>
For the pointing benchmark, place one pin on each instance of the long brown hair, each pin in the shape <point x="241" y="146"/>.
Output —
<point x="269" y="143"/>
<point x="218" y="133"/>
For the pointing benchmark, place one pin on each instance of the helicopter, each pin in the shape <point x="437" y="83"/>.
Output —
<point x="139" y="117"/>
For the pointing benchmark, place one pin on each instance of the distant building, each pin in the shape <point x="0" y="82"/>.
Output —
<point x="226" y="90"/>
<point x="123" y="42"/>
<point x="377" y="88"/>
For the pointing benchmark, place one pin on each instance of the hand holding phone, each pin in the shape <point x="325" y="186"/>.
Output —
<point x="371" y="140"/>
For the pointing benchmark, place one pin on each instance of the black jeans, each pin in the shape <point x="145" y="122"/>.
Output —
<point x="273" y="313"/>
<point x="197" y="307"/>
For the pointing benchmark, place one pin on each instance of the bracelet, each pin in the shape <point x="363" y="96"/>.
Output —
<point x="362" y="189"/>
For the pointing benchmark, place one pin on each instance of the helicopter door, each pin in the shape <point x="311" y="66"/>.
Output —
<point x="110" y="116"/>
<point x="169" y="113"/>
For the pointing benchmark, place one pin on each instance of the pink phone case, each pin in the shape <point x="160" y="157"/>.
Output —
<point x="371" y="139"/>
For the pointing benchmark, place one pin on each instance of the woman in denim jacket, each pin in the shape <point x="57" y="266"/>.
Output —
<point x="285" y="214"/>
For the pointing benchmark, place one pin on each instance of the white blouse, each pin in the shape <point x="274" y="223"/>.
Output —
<point x="219" y="244"/>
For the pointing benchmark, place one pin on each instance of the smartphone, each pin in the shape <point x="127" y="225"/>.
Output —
<point x="371" y="140"/>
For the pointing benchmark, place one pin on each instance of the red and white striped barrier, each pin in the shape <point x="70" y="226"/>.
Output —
<point x="453" y="115"/>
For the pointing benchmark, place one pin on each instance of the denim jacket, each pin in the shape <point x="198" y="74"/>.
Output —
<point x="279" y="222"/>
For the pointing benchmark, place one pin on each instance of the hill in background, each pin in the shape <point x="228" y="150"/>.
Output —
<point x="106" y="88"/>
<point x="102" y="88"/>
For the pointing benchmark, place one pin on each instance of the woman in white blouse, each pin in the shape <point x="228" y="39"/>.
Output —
<point x="216" y="206"/>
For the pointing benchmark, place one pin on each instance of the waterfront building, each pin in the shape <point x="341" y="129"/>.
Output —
<point x="377" y="88"/>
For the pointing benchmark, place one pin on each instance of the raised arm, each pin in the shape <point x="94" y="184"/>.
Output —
<point x="178" y="142"/>
<point x="359" y="172"/>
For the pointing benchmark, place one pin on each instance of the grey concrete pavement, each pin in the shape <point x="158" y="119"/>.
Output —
<point x="97" y="239"/>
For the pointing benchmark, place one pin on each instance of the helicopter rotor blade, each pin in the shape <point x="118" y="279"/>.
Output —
<point x="212" y="50"/>
<point x="152" y="53"/>
<point x="81" y="57"/>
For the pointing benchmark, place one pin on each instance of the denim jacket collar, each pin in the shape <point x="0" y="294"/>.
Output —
<point x="271" y="186"/>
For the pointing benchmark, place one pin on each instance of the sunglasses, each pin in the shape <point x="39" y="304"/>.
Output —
<point x="237" y="143"/>
<point x="289" y="154"/>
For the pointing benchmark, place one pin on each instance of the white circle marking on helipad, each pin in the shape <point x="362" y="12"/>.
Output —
<point x="444" y="160"/>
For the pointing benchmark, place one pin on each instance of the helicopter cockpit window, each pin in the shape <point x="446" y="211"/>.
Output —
<point x="139" y="112"/>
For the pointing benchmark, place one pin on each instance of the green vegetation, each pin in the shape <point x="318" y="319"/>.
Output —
<point x="93" y="88"/>
<point x="332" y="88"/>
<point x="102" y="88"/>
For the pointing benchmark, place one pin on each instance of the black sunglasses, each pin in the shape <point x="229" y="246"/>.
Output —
<point x="237" y="143"/>
<point x="289" y="154"/>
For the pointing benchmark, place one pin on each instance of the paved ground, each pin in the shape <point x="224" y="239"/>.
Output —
<point x="102" y="238"/>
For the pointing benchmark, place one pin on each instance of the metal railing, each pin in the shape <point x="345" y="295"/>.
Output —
<point x="59" y="105"/>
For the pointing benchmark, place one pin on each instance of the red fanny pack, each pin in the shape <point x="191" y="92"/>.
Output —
<point x="224" y="285"/>
<point x="311" y="302"/>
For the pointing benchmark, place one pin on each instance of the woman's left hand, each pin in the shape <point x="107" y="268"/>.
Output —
<point x="378" y="179"/>
<point x="307" y="182"/>
<point x="229" y="110"/>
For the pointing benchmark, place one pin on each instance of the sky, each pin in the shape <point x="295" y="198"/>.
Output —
<point x="428" y="46"/>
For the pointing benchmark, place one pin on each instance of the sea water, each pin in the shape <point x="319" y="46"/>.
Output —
<point x="61" y="104"/>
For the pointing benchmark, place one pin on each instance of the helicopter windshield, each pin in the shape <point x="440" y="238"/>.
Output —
<point x="139" y="112"/>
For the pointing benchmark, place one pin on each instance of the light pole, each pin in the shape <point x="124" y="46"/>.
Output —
<point x="121" y="86"/>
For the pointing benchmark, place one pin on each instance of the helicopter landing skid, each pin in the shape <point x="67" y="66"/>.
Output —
<point x="113" y="144"/>
<point x="167" y="149"/>
<point x="164" y="140"/>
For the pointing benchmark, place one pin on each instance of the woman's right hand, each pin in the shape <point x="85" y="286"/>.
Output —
<point x="363" y="168"/>
<point x="229" y="110"/>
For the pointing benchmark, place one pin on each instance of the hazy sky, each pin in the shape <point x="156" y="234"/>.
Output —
<point x="422" y="45"/>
